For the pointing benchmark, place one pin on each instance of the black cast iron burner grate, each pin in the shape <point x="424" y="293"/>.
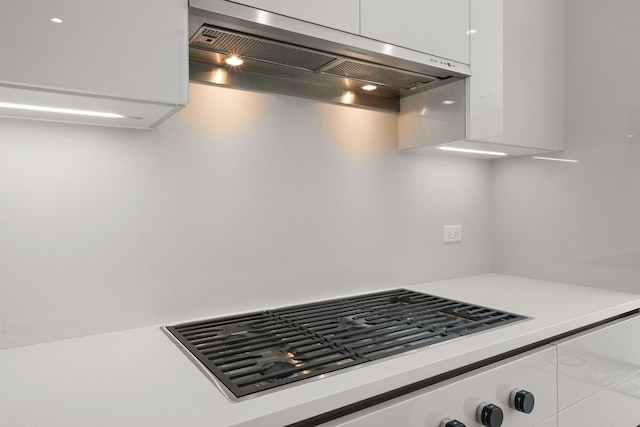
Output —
<point x="260" y="351"/>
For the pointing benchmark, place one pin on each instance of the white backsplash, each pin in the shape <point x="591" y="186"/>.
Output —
<point x="239" y="202"/>
<point x="579" y="222"/>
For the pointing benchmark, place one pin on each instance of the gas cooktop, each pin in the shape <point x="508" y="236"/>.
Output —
<point x="260" y="351"/>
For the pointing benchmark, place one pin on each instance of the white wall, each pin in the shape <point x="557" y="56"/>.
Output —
<point x="580" y="223"/>
<point x="241" y="201"/>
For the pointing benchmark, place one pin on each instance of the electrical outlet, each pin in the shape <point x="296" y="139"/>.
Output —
<point x="452" y="233"/>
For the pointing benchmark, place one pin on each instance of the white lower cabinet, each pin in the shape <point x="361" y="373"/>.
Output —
<point x="618" y="405"/>
<point x="599" y="376"/>
<point x="551" y="422"/>
<point x="597" y="359"/>
<point x="460" y="397"/>
<point x="590" y="379"/>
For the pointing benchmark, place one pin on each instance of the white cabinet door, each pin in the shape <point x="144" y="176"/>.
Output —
<point x="551" y="422"/>
<point x="118" y="49"/>
<point x="459" y="397"/>
<point x="618" y="405"/>
<point x="342" y="15"/>
<point x="597" y="359"/>
<point x="436" y="27"/>
<point x="515" y="95"/>
<point x="534" y="73"/>
<point x="516" y="91"/>
<point x="485" y="86"/>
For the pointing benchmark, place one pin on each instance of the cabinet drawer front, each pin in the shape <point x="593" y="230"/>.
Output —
<point x="595" y="360"/>
<point x="618" y="405"/>
<point x="459" y="397"/>
<point x="551" y="422"/>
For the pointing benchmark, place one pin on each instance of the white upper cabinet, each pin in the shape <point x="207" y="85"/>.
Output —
<point x="341" y="15"/>
<point x="516" y="91"/>
<point x="123" y="57"/>
<point x="515" y="97"/>
<point x="436" y="27"/>
<point x="485" y="90"/>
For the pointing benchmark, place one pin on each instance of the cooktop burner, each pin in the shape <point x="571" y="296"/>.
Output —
<point x="260" y="351"/>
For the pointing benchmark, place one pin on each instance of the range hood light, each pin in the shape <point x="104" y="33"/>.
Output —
<point x="56" y="20"/>
<point x="369" y="87"/>
<point x="234" y="61"/>
<point x="448" y="102"/>
<point x="470" y="32"/>
<point x="60" y="110"/>
<point x="466" y="150"/>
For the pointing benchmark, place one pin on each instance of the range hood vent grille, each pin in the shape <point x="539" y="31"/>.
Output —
<point x="251" y="47"/>
<point x="226" y="42"/>
<point x="378" y="74"/>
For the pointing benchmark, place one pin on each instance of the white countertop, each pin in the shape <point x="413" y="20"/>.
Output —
<point x="140" y="377"/>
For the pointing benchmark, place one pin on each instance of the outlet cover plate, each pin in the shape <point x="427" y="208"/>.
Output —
<point x="452" y="233"/>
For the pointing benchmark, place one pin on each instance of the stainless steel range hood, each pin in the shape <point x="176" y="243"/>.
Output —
<point x="292" y="57"/>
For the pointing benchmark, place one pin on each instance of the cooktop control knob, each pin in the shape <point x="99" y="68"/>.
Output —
<point x="489" y="415"/>
<point x="450" y="422"/>
<point x="523" y="401"/>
